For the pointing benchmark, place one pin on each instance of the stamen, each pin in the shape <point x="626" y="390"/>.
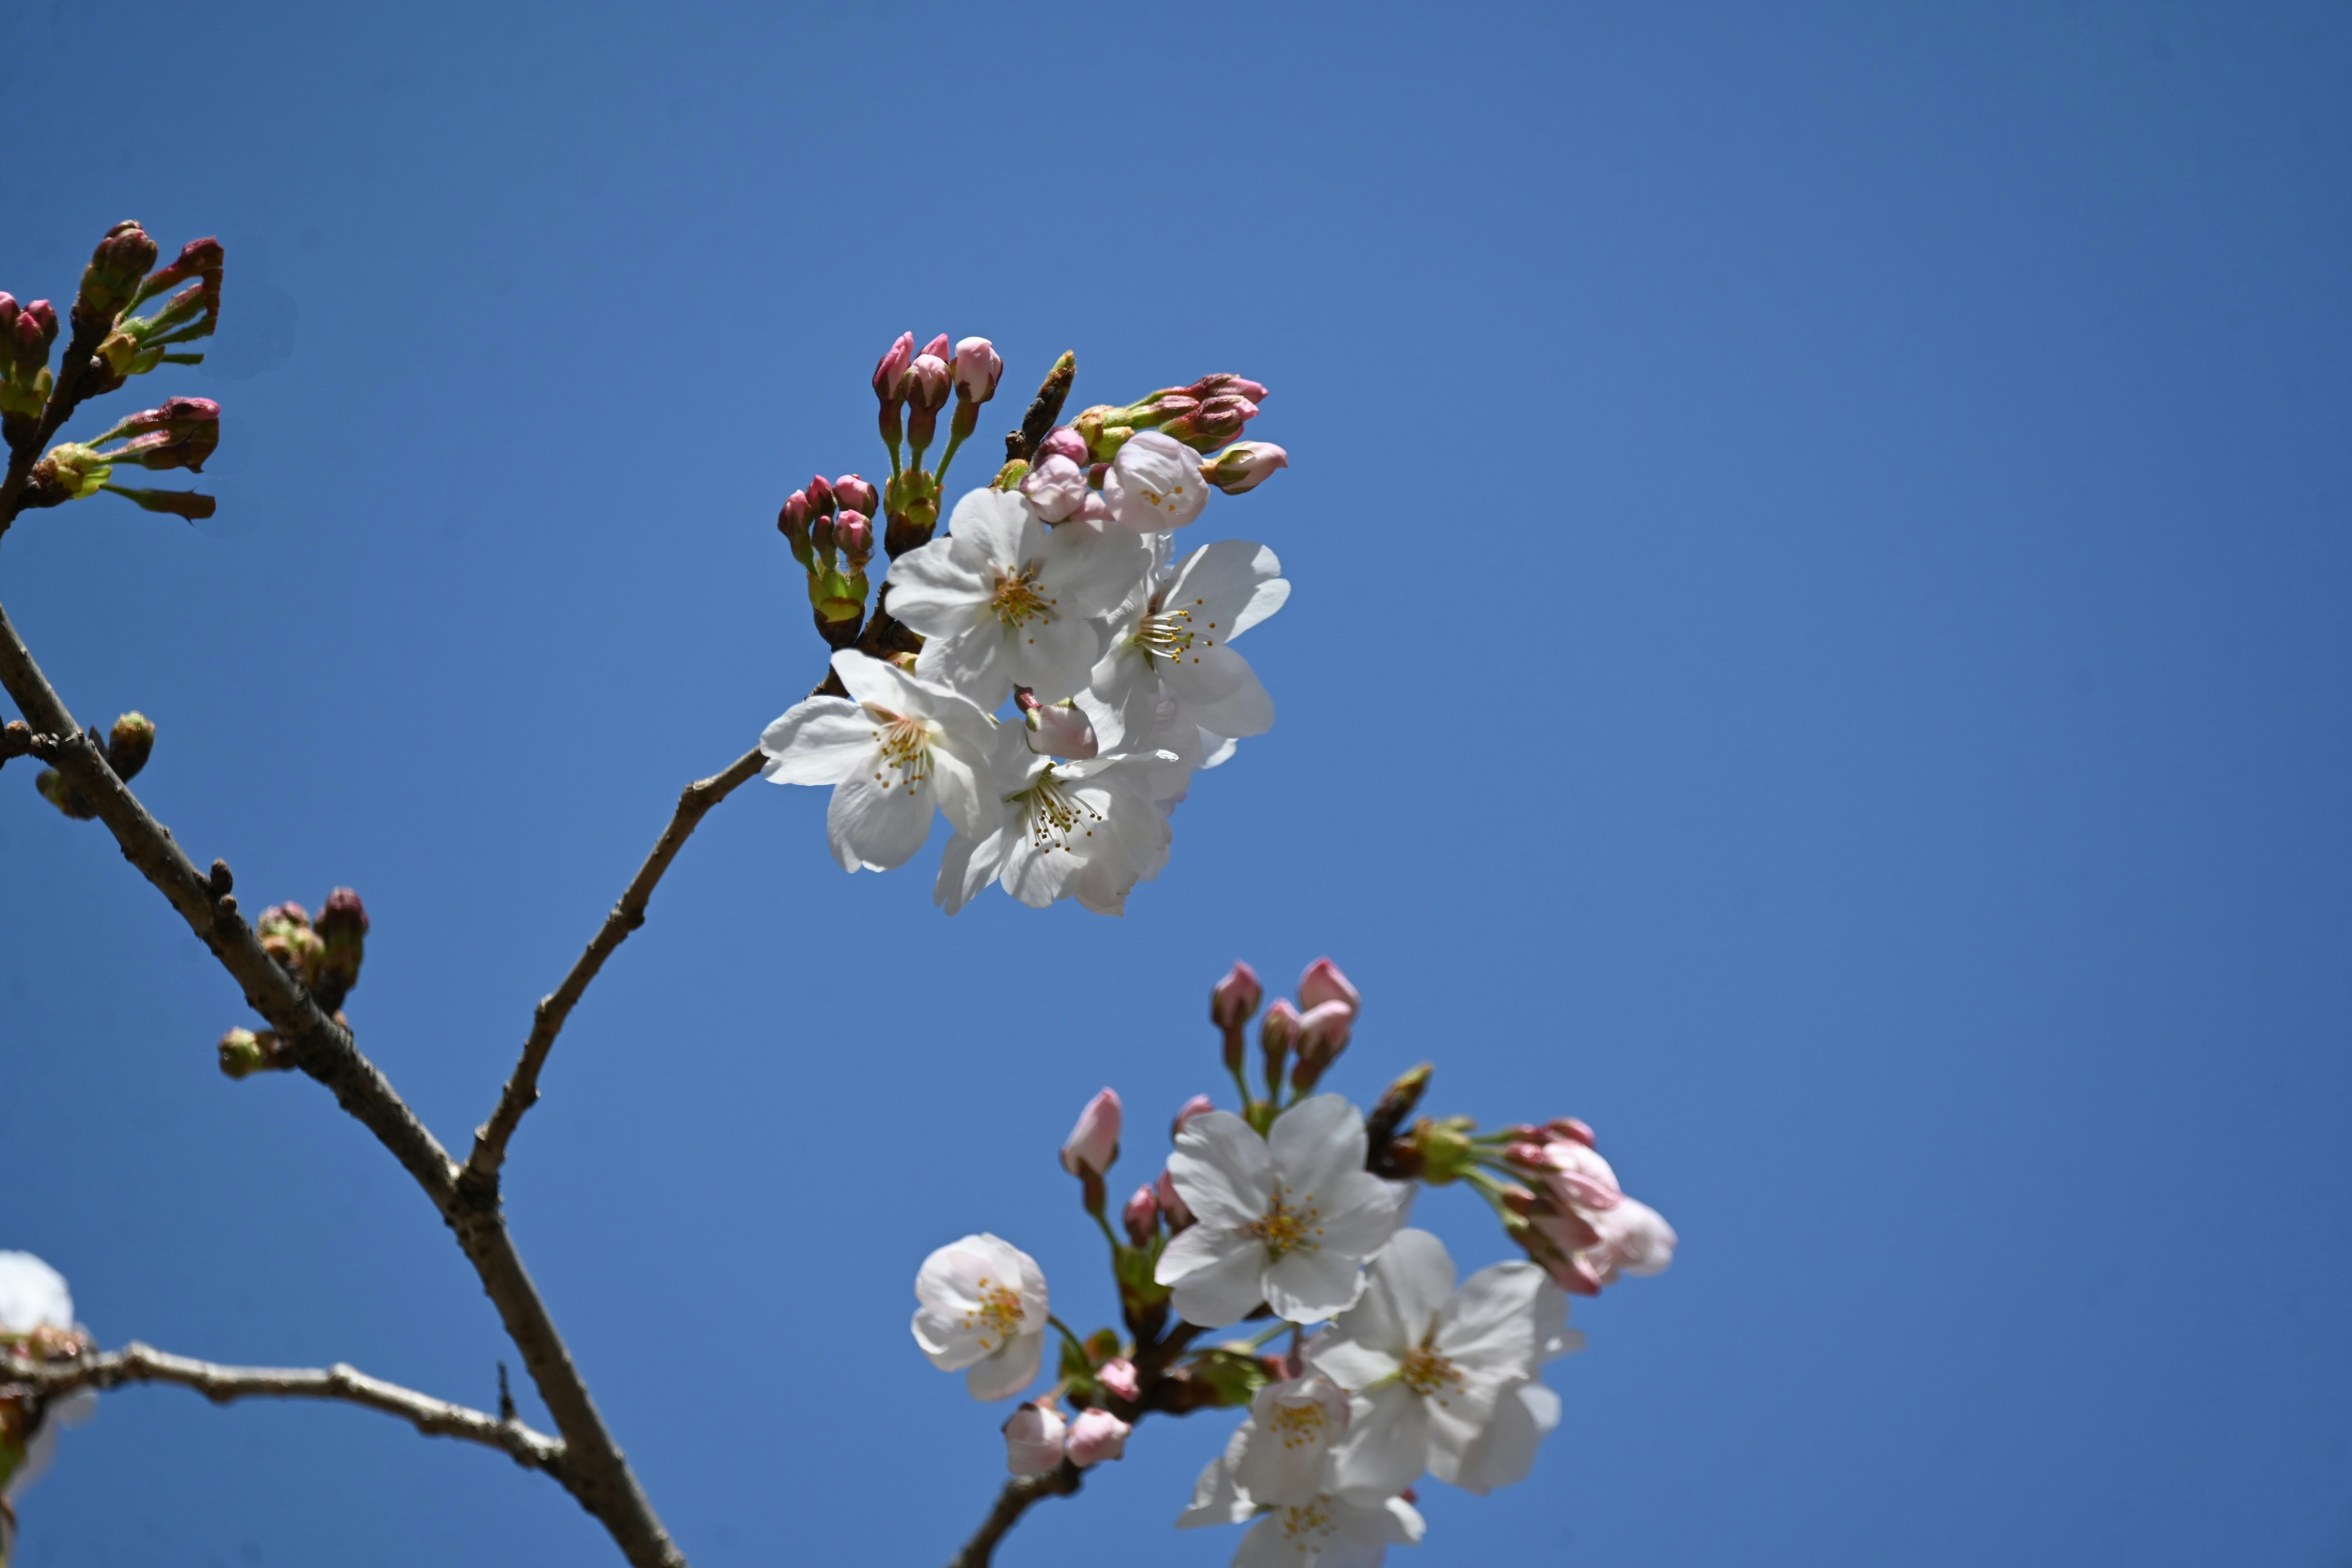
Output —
<point x="1057" y="819"/>
<point x="998" y="1313"/>
<point x="1016" y="600"/>
<point x="903" y="746"/>
<point x="1286" y="1230"/>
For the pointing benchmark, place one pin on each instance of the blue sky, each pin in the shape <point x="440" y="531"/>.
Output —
<point x="1819" y="645"/>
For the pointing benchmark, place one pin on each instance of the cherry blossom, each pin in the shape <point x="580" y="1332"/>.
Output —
<point x="1034" y="1436"/>
<point x="984" y="1310"/>
<point x="1328" y="1530"/>
<point x="1286" y="1448"/>
<point x="1004" y="600"/>
<point x="1096" y="1436"/>
<point x="1078" y="828"/>
<point x="893" y="750"/>
<point x="1501" y="1456"/>
<point x="1155" y="482"/>
<point x="1288" y="1219"/>
<point x="1428" y="1363"/>
<point x="1172" y="634"/>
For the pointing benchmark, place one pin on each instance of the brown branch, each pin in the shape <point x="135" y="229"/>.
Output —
<point x="1015" y="1500"/>
<point x="479" y="1180"/>
<point x="595" y="1472"/>
<point x="135" y="1362"/>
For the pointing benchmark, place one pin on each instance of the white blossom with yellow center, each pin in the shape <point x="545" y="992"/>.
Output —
<point x="1326" y="1529"/>
<point x="1288" y="1219"/>
<point x="1083" y="828"/>
<point x="1002" y="600"/>
<point x="984" y="1313"/>
<point x="1429" y="1365"/>
<point x="1172" y="638"/>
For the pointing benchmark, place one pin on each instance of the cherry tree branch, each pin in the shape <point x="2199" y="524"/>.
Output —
<point x="595" y="1472"/>
<point x="136" y="1362"/>
<point x="480" y="1176"/>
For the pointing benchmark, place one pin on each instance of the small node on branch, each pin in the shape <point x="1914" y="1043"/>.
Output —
<point x="222" y="880"/>
<point x="244" y="1053"/>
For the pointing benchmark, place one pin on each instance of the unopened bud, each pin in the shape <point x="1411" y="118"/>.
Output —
<point x="288" y="937"/>
<point x="1232" y="1002"/>
<point x="1055" y="487"/>
<point x="52" y="787"/>
<point x="343" y="928"/>
<point x="181" y="434"/>
<point x="129" y="745"/>
<point x="792" y="523"/>
<point x="1172" y="1202"/>
<point x="1096" y="1436"/>
<point x="1058" y="730"/>
<point x="1244" y="466"/>
<point x="1323" y="1031"/>
<point x="1117" y="1377"/>
<point x="1275" y="1035"/>
<point x="1199" y="1105"/>
<point x="1093" y="1144"/>
<point x="1572" y="1129"/>
<point x="890" y="370"/>
<point x="819" y="497"/>
<point x="1063" y="441"/>
<point x="201" y="259"/>
<point x="116" y="269"/>
<point x="929" y="382"/>
<point x="242" y="1053"/>
<point x="1323" y="983"/>
<point x="938" y="349"/>
<point x="1212" y="424"/>
<point x="978" y="368"/>
<point x="1142" y="1217"/>
<point x="854" y="492"/>
<point x="1033" y="1439"/>
<point x="853" y="532"/>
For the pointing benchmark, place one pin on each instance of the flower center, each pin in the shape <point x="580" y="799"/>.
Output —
<point x="998" y="1316"/>
<point x="1168" y="499"/>
<point x="1017" y="602"/>
<point x="1299" y="1426"/>
<point x="901" y="746"/>
<point x="1429" y="1374"/>
<point x="1286" y="1230"/>
<point x="1174" y="634"/>
<point x="1057" y="819"/>
<point x="1306" y="1525"/>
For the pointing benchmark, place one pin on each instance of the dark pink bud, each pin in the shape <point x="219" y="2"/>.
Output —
<point x="793" y="520"/>
<point x="1226" y="386"/>
<point x="343" y="915"/>
<point x="1527" y="1156"/>
<point x="182" y="433"/>
<point x="938" y="349"/>
<point x="1573" y="1130"/>
<point x="856" y="494"/>
<point x="928" y="381"/>
<point x="1323" y="983"/>
<point x="1235" y="999"/>
<point x="1142" y="1216"/>
<point x="820" y="496"/>
<point x="890" y="371"/>
<point x="197" y="259"/>
<point x="854" y="533"/>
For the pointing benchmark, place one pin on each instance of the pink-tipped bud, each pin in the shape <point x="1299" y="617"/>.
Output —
<point x="1033" y="1439"/>
<point x="1093" y="1143"/>
<point x="1197" y="1106"/>
<point x="1244" y="466"/>
<point x="928" y="381"/>
<point x="854" y="492"/>
<point x="1117" y="1378"/>
<point x="182" y="433"/>
<point x="1096" y="1436"/>
<point x="1281" y="1027"/>
<point x="1142" y="1217"/>
<point x="1058" y="730"/>
<point x="1063" y="441"/>
<point x="792" y="523"/>
<point x="978" y="368"/>
<point x="938" y="349"/>
<point x="1233" y="1001"/>
<point x="1323" y="983"/>
<point x="1323" y="1031"/>
<point x="854" y="532"/>
<point x="1227" y="385"/>
<point x="1055" y="487"/>
<point x="820" y="496"/>
<point x="890" y="371"/>
<point x="1172" y="1202"/>
<point x="1574" y="1129"/>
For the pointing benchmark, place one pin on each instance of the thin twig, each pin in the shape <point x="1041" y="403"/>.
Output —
<point x="480" y="1178"/>
<point x="1015" y="1500"/>
<point x="595" y="1472"/>
<point x="135" y="1362"/>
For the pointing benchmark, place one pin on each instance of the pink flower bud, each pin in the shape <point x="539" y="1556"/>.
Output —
<point x="1063" y="441"/>
<point x="890" y="371"/>
<point x="1281" y="1025"/>
<point x="929" y="381"/>
<point x="820" y="496"/>
<point x="856" y="494"/>
<point x="1573" y="1130"/>
<point x="938" y="348"/>
<point x="1634" y="1239"/>
<point x="1059" y="730"/>
<point x="1234" y="1000"/>
<point x="1055" y="487"/>
<point x="1323" y="983"/>
<point x="1033" y="1439"/>
<point x="1096" y="1436"/>
<point x="1196" y="1106"/>
<point x="978" y="368"/>
<point x="1171" y="1204"/>
<point x="1323" y="1031"/>
<point x="1119" y="1377"/>
<point x="1142" y="1216"/>
<point x="854" y="533"/>
<point x="1226" y="386"/>
<point x="1093" y="1143"/>
<point x="1244" y="466"/>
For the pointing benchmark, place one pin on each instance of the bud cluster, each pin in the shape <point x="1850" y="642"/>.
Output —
<point x="1304" y="1037"/>
<point x="323" y="954"/>
<point x="830" y="529"/>
<point x="911" y="388"/>
<point x="127" y="747"/>
<point x="27" y="335"/>
<point x="138" y="344"/>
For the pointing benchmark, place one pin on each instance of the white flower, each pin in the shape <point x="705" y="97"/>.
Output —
<point x="31" y="1295"/>
<point x="1288" y="1220"/>
<point x="1171" y="636"/>
<point x="892" y="750"/>
<point x="1077" y="828"/>
<point x="1155" y="482"/>
<point x="1326" y="1530"/>
<point x="1525" y="1413"/>
<point x="1428" y="1363"/>
<point x="983" y="1307"/>
<point x="1282" y="1453"/>
<point x="1004" y="601"/>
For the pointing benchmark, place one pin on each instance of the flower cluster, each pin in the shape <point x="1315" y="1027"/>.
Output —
<point x="1289" y="1209"/>
<point x="1049" y="673"/>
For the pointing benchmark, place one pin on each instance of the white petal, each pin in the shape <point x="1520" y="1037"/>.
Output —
<point x="1054" y="656"/>
<point x="878" y="823"/>
<point x="1000" y="524"/>
<point x="1388" y="1444"/>
<point x="1202" y="677"/>
<point x="1505" y="1452"/>
<point x="939" y="586"/>
<point x="816" y="741"/>
<point x="31" y="1295"/>
<point x="1489" y="1326"/>
<point x="1231" y="585"/>
<point x="1317" y="1142"/>
<point x="1351" y="1363"/>
<point x="1229" y="1289"/>
<point x="1308" y="1287"/>
<point x="1222" y="1170"/>
<point x="1088" y="573"/>
<point x="1360" y="1216"/>
<point x="1248" y="711"/>
<point x="973" y="660"/>
<point x="1410" y="1283"/>
<point x="1215" y="1499"/>
<point x="1009" y="1371"/>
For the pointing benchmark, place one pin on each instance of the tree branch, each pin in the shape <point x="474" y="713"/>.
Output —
<point x="135" y="1362"/>
<point x="595" y="1472"/>
<point x="1015" y="1500"/>
<point x="480" y="1176"/>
